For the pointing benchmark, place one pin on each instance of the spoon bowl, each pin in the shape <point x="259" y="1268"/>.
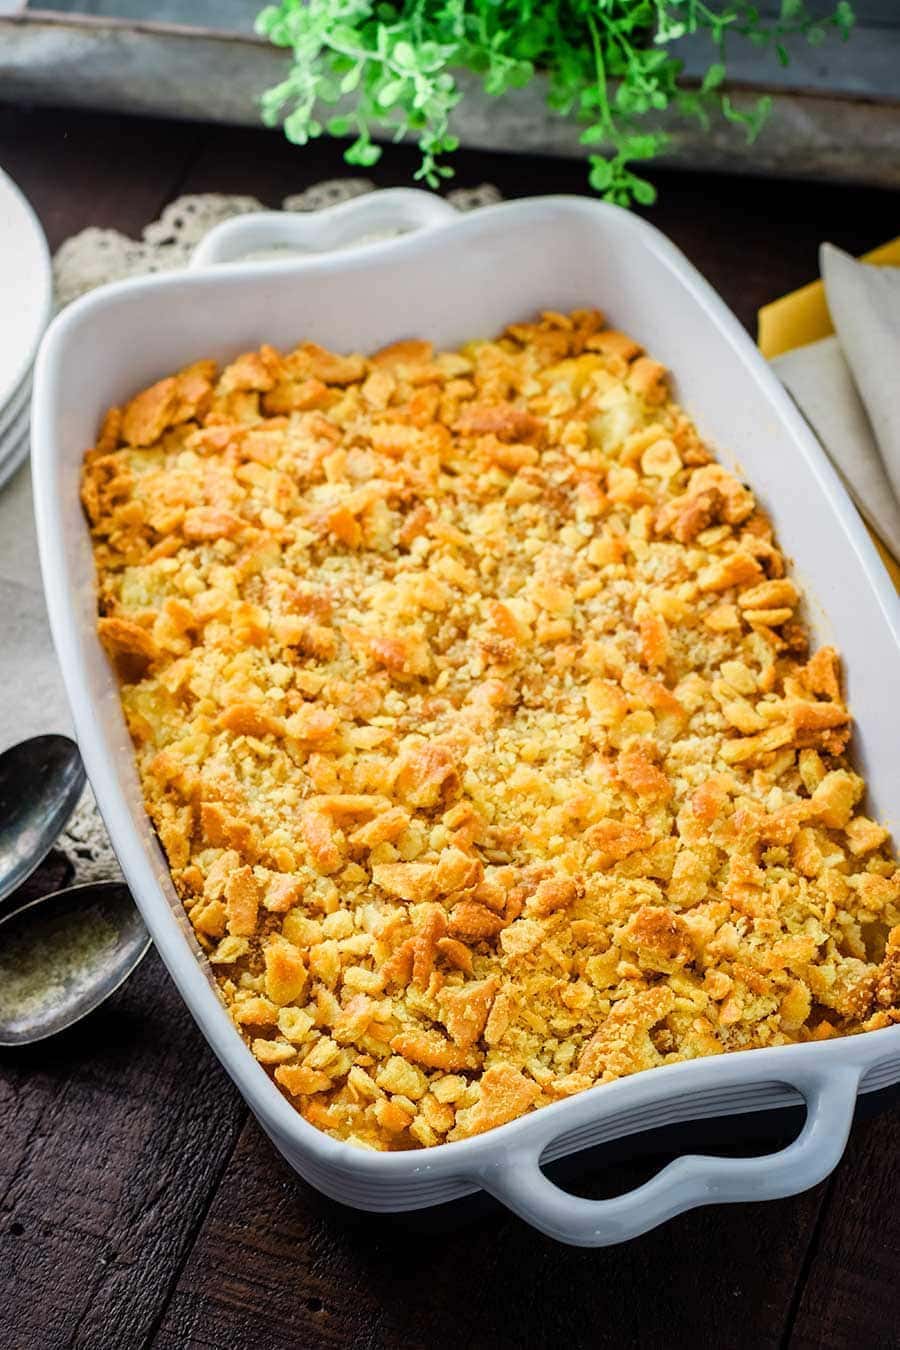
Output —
<point x="41" y="780"/>
<point x="62" y="955"/>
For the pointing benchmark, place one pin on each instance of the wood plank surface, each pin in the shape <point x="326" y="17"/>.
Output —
<point x="139" y="1205"/>
<point x="115" y="173"/>
<point x="277" y="1266"/>
<point x="114" y="1136"/>
<point x="851" y="1293"/>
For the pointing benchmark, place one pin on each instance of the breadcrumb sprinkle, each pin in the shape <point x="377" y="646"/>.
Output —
<point x="474" y="712"/>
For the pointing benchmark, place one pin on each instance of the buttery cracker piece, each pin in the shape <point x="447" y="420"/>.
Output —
<point x="689" y="881"/>
<point x="301" y="1081"/>
<point x="686" y="516"/>
<point x="433" y="1051"/>
<point x="425" y="945"/>
<point x="456" y="954"/>
<point x="229" y="950"/>
<point x="613" y="343"/>
<point x="283" y="891"/>
<point x="218" y="873"/>
<point x="385" y="828"/>
<point x="505" y="1094"/>
<point x="738" y="501"/>
<point x="209" y="919"/>
<point x="125" y="638"/>
<point x="242" y="902"/>
<point x="354" y="1020"/>
<point x="207" y="523"/>
<point x="647" y="378"/>
<point x="408" y="351"/>
<point x="737" y="569"/>
<point x="521" y="937"/>
<point x="554" y="893"/>
<point x="413" y="882"/>
<point x="320" y="836"/>
<point x="249" y="371"/>
<point x="146" y="417"/>
<point x="611" y="840"/>
<point x="499" y="1019"/>
<point x="502" y="420"/>
<point x="398" y="1076"/>
<point x="768" y="595"/>
<point x="426" y="774"/>
<point x="222" y="829"/>
<point x="660" y="940"/>
<point x="864" y="835"/>
<point x="257" y="1012"/>
<point x="398" y="968"/>
<point x="286" y="973"/>
<point x="471" y="922"/>
<point x="821" y="675"/>
<point x="250" y="719"/>
<point x="273" y="1052"/>
<point x="465" y="1008"/>
<point x="835" y="797"/>
<point x="392" y="1116"/>
<point x="622" y="1043"/>
<point x="638" y="772"/>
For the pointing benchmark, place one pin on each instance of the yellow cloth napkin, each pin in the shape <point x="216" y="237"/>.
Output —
<point x="802" y="317"/>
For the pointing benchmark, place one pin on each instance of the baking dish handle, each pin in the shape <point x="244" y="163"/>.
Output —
<point x="689" y="1182"/>
<point x="388" y="212"/>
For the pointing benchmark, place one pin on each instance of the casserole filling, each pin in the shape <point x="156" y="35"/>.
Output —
<point x="473" y="710"/>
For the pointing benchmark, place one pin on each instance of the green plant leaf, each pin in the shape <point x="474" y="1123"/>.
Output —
<point x="643" y="192"/>
<point x="601" y="174"/>
<point x="390" y="93"/>
<point x="593" y="135"/>
<point x="844" y="18"/>
<point x="404" y="55"/>
<point x="363" y="152"/>
<point x="713" y="78"/>
<point x="612" y="67"/>
<point x="296" y="127"/>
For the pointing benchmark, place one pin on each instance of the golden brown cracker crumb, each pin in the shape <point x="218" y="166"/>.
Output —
<point x="473" y="707"/>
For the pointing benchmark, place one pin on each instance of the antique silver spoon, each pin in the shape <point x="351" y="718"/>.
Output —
<point x="40" y="782"/>
<point x="62" y="955"/>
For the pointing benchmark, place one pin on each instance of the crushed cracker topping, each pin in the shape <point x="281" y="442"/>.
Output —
<point x="474" y="712"/>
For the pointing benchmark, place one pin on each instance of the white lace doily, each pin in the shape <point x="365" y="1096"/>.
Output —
<point x="85" y="844"/>
<point x="95" y="257"/>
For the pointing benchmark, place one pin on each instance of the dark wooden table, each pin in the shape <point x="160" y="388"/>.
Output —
<point x="140" y="1206"/>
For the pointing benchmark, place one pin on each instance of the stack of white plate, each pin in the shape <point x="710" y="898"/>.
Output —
<point x="26" y="298"/>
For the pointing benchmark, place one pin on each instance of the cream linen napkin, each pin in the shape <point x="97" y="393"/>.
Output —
<point x="847" y="386"/>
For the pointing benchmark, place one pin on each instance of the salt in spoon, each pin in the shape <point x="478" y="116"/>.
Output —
<point x="62" y="955"/>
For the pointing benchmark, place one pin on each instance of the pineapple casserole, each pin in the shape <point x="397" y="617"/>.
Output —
<point x="474" y="713"/>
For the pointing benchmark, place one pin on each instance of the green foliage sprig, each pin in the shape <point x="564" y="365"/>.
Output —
<point x="611" y="65"/>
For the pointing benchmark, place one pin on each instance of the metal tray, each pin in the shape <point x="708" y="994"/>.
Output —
<point x="836" y="114"/>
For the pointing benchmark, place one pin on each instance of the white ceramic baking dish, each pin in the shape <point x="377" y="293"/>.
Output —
<point x="450" y="278"/>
